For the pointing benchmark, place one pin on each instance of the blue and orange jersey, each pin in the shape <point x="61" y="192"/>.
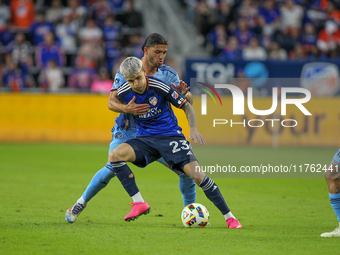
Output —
<point x="160" y="120"/>
<point x="165" y="73"/>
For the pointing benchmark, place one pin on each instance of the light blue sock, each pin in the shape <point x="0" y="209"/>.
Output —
<point x="335" y="202"/>
<point x="99" y="181"/>
<point x="188" y="189"/>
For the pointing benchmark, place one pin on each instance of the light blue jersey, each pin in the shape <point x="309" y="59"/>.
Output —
<point x="336" y="158"/>
<point x="165" y="74"/>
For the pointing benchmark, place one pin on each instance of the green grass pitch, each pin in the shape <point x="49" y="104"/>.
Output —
<point x="39" y="182"/>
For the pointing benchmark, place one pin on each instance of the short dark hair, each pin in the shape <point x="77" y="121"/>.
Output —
<point x="154" y="39"/>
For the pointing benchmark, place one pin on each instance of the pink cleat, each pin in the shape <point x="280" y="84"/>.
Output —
<point x="233" y="223"/>
<point x="137" y="210"/>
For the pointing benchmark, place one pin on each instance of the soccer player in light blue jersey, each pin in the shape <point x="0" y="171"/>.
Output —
<point x="332" y="176"/>
<point x="155" y="49"/>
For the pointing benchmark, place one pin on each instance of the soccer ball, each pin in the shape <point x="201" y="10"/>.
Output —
<point x="195" y="215"/>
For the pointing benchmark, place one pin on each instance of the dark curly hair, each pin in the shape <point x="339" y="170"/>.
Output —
<point x="154" y="39"/>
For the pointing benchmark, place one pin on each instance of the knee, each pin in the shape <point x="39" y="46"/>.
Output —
<point x="198" y="177"/>
<point x="185" y="179"/>
<point x="191" y="170"/>
<point x="115" y="155"/>
<point x="198" y="180"/>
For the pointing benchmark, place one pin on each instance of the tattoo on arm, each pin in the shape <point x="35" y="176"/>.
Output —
<point x="190" y="113"/>
<point x="337" y="190"/>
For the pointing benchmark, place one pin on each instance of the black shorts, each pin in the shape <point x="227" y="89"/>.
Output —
<point x="175" y="150"/>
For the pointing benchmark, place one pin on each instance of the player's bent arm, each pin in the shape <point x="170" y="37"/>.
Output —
<point x="190" y="114"/>
<point x="115" y="105"/>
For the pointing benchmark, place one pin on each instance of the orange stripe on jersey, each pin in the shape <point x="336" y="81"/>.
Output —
<point x="149" y="73"/>
<point x="152" y="73"/>
<point x="182" y="103"/>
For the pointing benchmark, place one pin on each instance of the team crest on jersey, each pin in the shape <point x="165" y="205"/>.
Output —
<point x="174" y="95"/>
<point x="119" y="135"/>
<point x="116" y="81"/>
<point x="153" y="100"/>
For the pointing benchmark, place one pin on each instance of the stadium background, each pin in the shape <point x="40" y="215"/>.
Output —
<point x="74" y="110"/>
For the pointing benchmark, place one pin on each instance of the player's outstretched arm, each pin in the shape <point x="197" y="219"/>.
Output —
<point x="182" y="88"/>
<point x="194" y="135"/>
<point x="117" y="106"/>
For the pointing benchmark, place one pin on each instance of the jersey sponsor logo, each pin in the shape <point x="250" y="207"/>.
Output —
<point x="151" y="112"/>
<point x="174" y="95"/>
<point x="119" y="135"/>
<point x="180" y="100"/>
<point x="153" y="100"/>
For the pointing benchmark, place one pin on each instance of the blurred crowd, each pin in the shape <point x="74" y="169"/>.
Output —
<point x="267" y="29"/>
<point x="79" y="44"/>
<point x="72" y="44"/>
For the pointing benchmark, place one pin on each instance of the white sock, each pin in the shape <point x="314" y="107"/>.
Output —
<point x="228" y="215"/>
<point x="82" y="201"/>
<point x="137" y="198"/>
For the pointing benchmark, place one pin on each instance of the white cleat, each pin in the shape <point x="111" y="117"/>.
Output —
<point x="73" y="212"/>
<point x="334" y="233"/>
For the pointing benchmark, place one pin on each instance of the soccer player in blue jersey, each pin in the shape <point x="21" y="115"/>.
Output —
<point x="158" y="135"/>
<point x="155" y="49"/>
<point x="332" y="176"/>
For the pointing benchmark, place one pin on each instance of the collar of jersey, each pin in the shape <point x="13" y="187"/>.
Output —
<point x="150" y="73"/>
<point x="153" y="72"/>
